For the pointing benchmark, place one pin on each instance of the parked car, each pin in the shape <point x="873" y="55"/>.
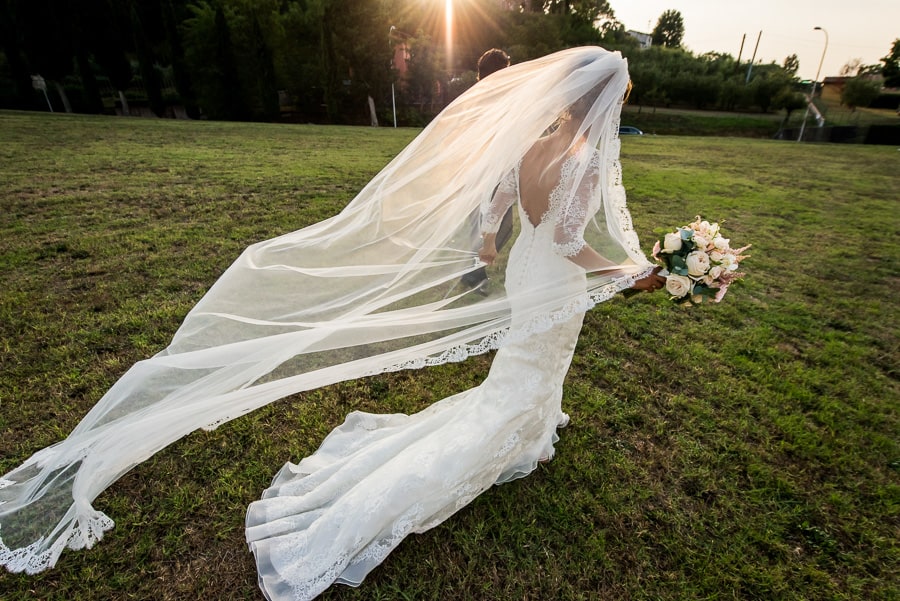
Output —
<point x="629" y="130"/>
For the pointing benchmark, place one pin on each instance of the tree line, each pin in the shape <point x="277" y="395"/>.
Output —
<point x="323" y="60"/>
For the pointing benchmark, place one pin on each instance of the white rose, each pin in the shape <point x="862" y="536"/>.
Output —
<point x="715" y="272"/>
<point x="700" y="241"/>
<point x="701" y="228"/>
<point x="672" y="242"/>
<point x="729" y="262"/>
<point x="716" y="256"/>
<point x="697" y="263"/>
<point x="678" y="285"/>
<point x="720" y="243"/>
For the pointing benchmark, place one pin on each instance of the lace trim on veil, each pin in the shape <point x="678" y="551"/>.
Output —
<point x="536" y="325"/>
<point x="83" y="531"/>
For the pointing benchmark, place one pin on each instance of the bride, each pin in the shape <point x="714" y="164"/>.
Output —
<point x="370" y="290"/>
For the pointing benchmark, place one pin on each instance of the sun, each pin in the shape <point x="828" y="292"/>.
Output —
<point x="462" y="28"/>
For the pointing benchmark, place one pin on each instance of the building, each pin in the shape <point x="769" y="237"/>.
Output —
<point x="645" y="40"/>
<point x="832" y="88"/>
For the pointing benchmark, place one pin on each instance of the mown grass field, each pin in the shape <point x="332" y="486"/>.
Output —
<point x="747" y="450"/>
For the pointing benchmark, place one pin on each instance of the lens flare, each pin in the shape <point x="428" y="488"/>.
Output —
<point x="448" y="10"/>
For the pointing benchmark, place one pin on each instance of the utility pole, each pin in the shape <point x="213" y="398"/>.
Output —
<point x="741" y="51"/>
<point x="750" y="66"/>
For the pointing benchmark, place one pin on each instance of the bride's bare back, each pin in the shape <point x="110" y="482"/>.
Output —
<point x="539" y="174"/>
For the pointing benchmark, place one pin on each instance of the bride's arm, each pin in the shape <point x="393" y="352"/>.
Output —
<point x="569" y="241"/>
<point x="503" y="198"/>
<point x="592" y="261"/>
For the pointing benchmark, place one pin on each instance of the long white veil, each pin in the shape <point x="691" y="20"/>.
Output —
<point x="375" y="288"/>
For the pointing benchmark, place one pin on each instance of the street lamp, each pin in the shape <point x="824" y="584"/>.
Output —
<point x="815" y="84"/>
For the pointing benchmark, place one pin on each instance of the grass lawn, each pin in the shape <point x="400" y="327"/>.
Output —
<point x="747" y="450"/>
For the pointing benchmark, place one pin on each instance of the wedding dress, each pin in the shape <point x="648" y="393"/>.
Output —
<point x="371" y="290"/>
<point x="338" y="513"/>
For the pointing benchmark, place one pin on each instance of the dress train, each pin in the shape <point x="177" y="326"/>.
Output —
<point x="339" y="512"/>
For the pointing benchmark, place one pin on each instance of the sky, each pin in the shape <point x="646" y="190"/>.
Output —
<point x="863" y="29"/>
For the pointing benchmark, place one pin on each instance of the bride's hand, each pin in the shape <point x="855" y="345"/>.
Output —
<point x="488" y="250"/>
<point x="487" y="255"/>
<point x="651" y="282"/>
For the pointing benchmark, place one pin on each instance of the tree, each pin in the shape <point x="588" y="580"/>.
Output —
<point x="110" y="45"/>
<point x="860" y="91"/>
<point x="531" y="34"/>
<point x="142" y="30"/>
<point x="891" y="69"/>
<point x="210" y="56"/>
<point x="424" y="69"/>
<point x="250" y="24"/>
<point x="354" y="54"/>
<point x="789" y="100"/>
<point x="669" y="30"/>
<point x="767" y="85"/>
<point x="791" y="65"/>
<point x="851" y="68"/>
<point x="47" y="41"/>
<point x="870" y="70"/>
<point x="592" y="11"/>
<point x="172" y="17"/>
<point x="298" y="61"/>
<point x="11" y="43"/>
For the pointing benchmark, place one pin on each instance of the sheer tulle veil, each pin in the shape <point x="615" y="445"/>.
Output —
<point x="372" y="289"/>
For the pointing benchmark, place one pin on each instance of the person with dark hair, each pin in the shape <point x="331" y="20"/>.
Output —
<point x="491" y="61"/>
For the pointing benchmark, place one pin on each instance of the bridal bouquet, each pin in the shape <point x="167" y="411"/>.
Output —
<point x="700" y="262"/>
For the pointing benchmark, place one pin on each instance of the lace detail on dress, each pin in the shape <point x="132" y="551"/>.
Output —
<point x="569" y="249"/>
<point x="491" y="223"/>
<point x="309" y="589"/>
<point x="508" y="445"/>
<point x="556" y="195"/>
<point x="465" y="493"/>
<point x="571" y="214"/>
